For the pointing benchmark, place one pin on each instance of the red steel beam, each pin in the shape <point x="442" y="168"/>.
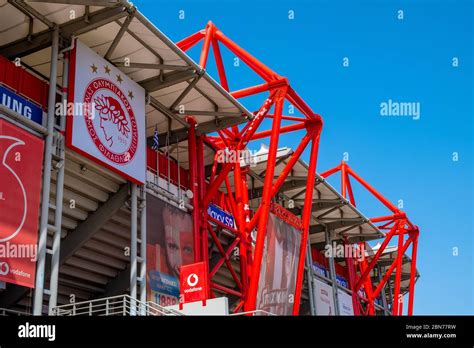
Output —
<point x="250" y="304"/>
<point x="398" y="275"/>
<point x="190" y="41"/>
<point x="194" y="186"/>
<point x="411" y="296"/>
<point x="206" y="45"/>
<point x="306" y="218"/>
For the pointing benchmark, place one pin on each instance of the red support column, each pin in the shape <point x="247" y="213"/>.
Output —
<point x="207" y="44"/>
<point x="352" y="281"/>
<point x="306" y="217"/>
<point x="194" y="185"/>
<point x="220" y="65"/>
<point x="201" y="179"/>
<point x="411" y="296"/>
<point x="343" y="179"/>
<point x="367" y="282"/>
<point x="398" y="274"/>
<point x="250" y="304"/>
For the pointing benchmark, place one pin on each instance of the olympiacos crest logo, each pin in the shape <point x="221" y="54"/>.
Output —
<point x="110" y="121"/>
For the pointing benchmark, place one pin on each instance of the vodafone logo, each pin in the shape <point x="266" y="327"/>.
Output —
<point x="4" y="268"/>
<point x="111" y="123"/>
<point x="194" y="282"/>
<point x="192" y="279"/>
<point x="16" y="191"/>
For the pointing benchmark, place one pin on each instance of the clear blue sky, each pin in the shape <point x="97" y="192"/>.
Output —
<point x="407" y="60"/>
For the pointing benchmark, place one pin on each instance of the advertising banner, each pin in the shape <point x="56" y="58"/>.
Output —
<point x="169" y="246"/>
<point x="277" y="281"/>
<point x="317" y="268"/>
<point x="21" y="161"/>
<point x="194" y="282"/>
<point x="21" y="105"/>
<point x="345" y="303"/>
<point x="106" y="115"/>
<point x="324" y="298"/>
<point x="220" y="215"/>
<point x="341" y="281"/>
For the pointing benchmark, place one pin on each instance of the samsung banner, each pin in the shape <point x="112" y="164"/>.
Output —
<point x="323" y="294"/>
<point x="106" y="115"/>
<point x="277" y="281"/>
<point x="21" y="161"/>
<point x="220" y="215"/>
<point x="20" y="105"/>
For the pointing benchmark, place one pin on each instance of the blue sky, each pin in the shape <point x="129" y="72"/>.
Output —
<point x="407" y="60"/>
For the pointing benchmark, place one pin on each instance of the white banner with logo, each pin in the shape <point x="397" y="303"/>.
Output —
<point x="345" y="303"/>
<point x="324" y="298"/>
<point x="106" y="114"/>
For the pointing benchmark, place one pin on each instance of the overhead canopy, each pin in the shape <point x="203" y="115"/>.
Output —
<point x="116" y="30"/>
<point x="329" y="207"/>
<point x="386" y="259"/>
<point x="95" y="233"/>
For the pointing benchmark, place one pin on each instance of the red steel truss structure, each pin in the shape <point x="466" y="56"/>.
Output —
<point x="277" y="90"/>
<point x="235" y="140"/>
<point x="397" y="224"/>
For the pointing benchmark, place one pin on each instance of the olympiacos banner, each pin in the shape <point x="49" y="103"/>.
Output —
<point x="21" y="160"/>
<point x="106" y="115"/>
<point x="277" y="281"/>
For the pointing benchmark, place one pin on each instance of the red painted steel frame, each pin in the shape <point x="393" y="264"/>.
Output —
<point x="401" y="226"/>
<point x="235" y="139"/>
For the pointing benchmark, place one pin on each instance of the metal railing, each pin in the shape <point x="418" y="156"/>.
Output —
<point x="256" y="312"/>
<point x="122" y="305"/>
<point x="8" y="313"/>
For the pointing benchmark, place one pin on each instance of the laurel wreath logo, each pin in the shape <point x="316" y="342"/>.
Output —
<point x="112" y="113"/>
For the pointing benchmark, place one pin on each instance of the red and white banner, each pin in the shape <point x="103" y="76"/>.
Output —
<point x="194" y="282"/>
<point x="106" y="114"/>
<point x="21" y="161"/>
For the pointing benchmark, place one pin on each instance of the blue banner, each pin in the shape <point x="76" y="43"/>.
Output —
<point x="318" y="269"/>
<point x="220" y="215"/>
<point x="20" y="105"/>
<point x="342" y="282"/>
<point x="164" y="283"/>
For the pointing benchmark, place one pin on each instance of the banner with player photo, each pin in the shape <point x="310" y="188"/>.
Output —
<point x="169" y="246"/>
<point x="277" y="281"/>
<point x="106" y="114"/>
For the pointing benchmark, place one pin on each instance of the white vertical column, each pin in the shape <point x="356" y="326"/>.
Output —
<point x="48" y="150"/>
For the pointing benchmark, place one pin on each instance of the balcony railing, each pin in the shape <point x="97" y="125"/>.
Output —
<point x="122" y="305"/>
